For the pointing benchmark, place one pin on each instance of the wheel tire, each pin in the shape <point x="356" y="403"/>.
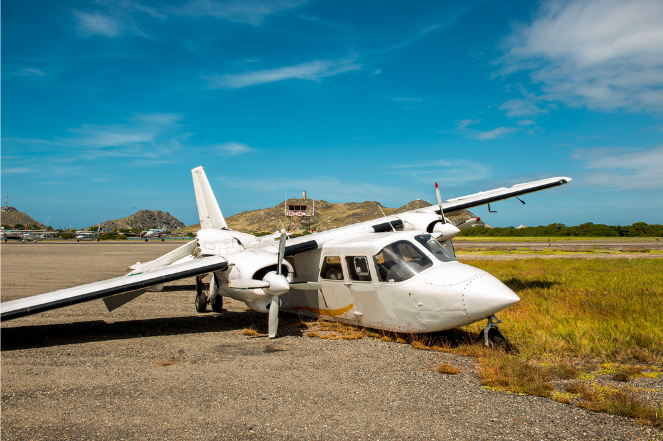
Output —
<point x="201" y="302"/>
<point x="146" y="239"/>
<point x="162" y="239"/>
<point x="78" y="240"/>
<point x="217" y="304"/>
<point x="495" y="340"/>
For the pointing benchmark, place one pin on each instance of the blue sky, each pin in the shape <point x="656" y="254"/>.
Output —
<point x="107" y="105"/>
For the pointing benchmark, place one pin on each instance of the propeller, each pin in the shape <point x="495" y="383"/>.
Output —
<point x="273" y="322"/>
<point x="274" y="284"/>
<point x="439" y="200"/>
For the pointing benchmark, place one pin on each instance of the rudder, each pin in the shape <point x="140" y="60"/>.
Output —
<point x="208" y="208"/>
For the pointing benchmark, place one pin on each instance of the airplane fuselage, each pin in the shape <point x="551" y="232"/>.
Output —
<point x="389" y="281"/>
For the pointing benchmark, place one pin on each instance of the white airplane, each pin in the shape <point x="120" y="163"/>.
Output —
<point x="153" y="232"/>
<point x="396" y="273"/>
<point x="88" y="235"/>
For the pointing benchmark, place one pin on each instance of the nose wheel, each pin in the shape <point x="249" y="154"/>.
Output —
<point x="491" y="335"/>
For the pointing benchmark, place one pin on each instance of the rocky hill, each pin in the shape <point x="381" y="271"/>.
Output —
<point x="145" y="219"/>
<point x="11" y="216"/>
<point x="327" y="216"/>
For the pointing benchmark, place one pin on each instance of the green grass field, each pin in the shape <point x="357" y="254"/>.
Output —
<point x="552" y="239"/>
<point x="607" y="309"/>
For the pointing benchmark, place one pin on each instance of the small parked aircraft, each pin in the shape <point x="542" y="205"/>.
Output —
<point x="153" y="232"/>
<point x="396" y="273"/>
<point x="88" y="235"/>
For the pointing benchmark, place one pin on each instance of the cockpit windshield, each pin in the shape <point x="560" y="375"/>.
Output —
<point x="399" y="261"/>
<point x="436" y="249"/>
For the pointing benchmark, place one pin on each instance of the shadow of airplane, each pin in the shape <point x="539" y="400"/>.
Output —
<point x="41" y="336"/>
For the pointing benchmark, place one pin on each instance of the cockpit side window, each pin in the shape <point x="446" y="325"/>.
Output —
<point x="399" y="261"/>
<point x="331" y="268"/>
<point x="358" y="268"/>
<point x="435" y="248"/>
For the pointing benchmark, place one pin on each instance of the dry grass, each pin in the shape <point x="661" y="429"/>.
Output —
<point x="503" y="372"/>
<point x="615" y="401"/>
<point x="446" y="368"/>
<point x="563" y="370"/>
<point x="249" y="331"/>
<point x="170" y="362"/>
<point x="626" y="372"/>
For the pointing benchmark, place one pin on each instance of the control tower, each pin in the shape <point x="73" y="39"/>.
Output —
<point x="298" y="210"/>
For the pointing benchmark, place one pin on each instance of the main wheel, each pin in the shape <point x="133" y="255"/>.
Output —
<point x="201" y="297"/>
<point x="162" y="239"/>
<point x="146" y="239"/>
<point x="217" y="304"/>
<point x="201" y="302"/>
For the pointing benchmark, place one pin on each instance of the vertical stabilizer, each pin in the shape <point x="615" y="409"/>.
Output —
<point x="208" y="209"/>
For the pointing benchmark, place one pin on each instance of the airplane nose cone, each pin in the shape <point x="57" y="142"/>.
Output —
<point x="485" y="295"/>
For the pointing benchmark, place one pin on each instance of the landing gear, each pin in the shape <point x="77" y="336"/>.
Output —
<point x="201" y="297"/>
<point x="217" y="304"/>
<point x="162" y="239"/>
<point x="491" y="335"/>
<point x="146" y="239"/>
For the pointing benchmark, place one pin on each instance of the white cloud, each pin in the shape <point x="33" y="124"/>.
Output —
<point x="623" y="169"/>
<point x="239" y="11"/>
<point x="495" y="133"/>
<point x="29" y="72"/>
<point x="312" y="71"/>
<point x="16" y="170"/>
<point x="525" y="122"/>
<point x="453" y="173"/>
<point x="603" y="54"/>
<point x="463" y="127"/>
<point x="464" y="123"/>
<point x="408" y="99"/>
<point x="233" y="148"/>
<point x="154" y="136"/>
<point x="96" y="24"/>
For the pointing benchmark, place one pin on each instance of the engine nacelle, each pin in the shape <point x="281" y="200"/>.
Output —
<point x="443" y="232"/>
<point x="420" y="221"/>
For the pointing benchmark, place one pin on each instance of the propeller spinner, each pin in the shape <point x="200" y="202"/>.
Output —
<point x="274" y="284"/>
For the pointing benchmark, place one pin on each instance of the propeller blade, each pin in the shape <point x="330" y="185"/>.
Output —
<point x="281" y="253"/>
<point x="273" y="323"/>
<point x="439" y="201"/>
<point x="306" y="286"/>
<point x="247" y="284"/>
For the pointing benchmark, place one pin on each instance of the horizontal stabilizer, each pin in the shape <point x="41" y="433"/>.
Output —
<point x="119" y="285"/>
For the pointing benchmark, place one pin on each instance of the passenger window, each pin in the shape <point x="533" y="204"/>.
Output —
<point x="358" y="268"/>
<point x="331" y="268"/>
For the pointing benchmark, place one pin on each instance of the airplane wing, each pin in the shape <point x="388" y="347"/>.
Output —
<point x="499" y="194"/>
<point x="111" y="287"/>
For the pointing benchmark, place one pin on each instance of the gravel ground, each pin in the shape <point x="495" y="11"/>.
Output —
<point x="155" y="369"/>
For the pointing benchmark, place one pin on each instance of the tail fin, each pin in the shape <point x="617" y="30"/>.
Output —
<point x="208" y="209"/>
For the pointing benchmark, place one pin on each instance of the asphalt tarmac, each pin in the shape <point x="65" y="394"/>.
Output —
<point x="156" y="369"/>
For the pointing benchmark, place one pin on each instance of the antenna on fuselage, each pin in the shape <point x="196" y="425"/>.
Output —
<point x="385" y="216"/>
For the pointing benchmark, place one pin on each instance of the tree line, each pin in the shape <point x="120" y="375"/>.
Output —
<point x="589" y="229"/>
